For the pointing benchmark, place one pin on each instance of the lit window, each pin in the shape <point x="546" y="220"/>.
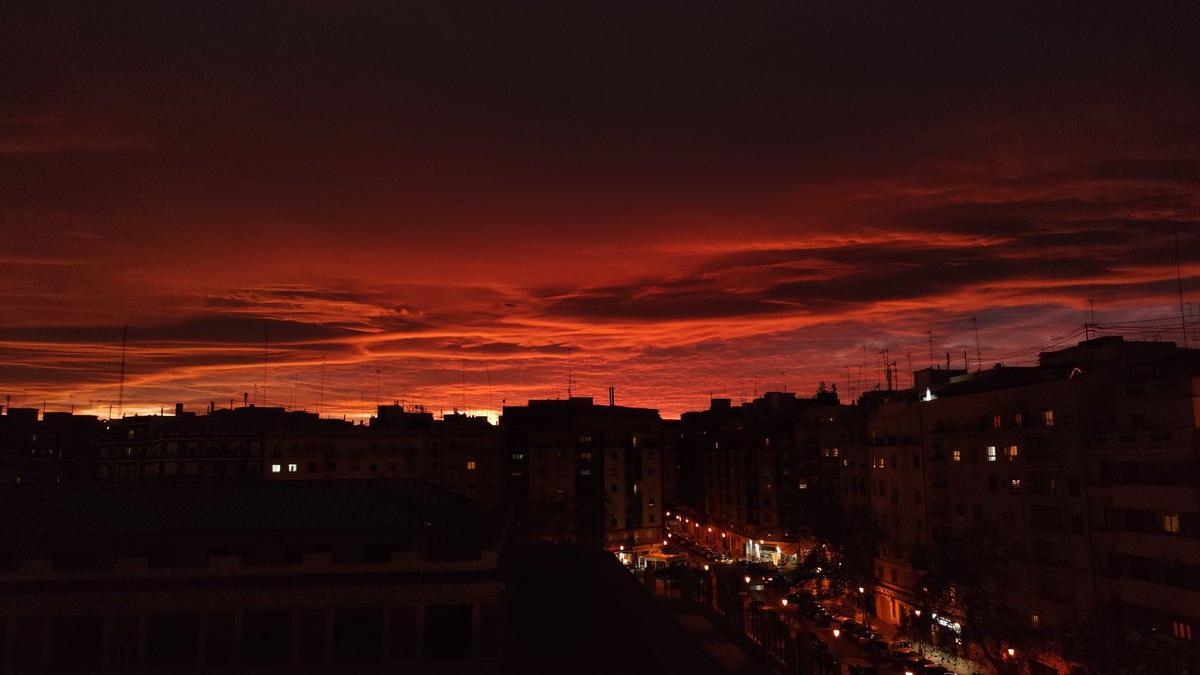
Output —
<point x="471" y="465"/>
<point x="1169" y="522"/>
<point x="956" y="455"/>
<point x="997" y="421"/>
<point x="1048" y="417"/>
<point x="276" y="468"/>
<point x="1016" y="485"/>
<point x="1012" y="453"/>
<point x="991" y="453"/>
<point x="1182" y="630"/>
<point x="292" y="468"/>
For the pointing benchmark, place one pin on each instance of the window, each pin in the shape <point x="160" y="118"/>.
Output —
<point x="291" y="468"/>
<point x="276" y="468"/>
<point x="997" y="421"/>
<point x="956" y="455"/>
<point x="1182" y="630"/>
<point x="991" y="453"/>
<point x="1016" y="484"/>
<point x="1048" y="418"/>
<point x="1012" y="452"/>
<point x="1169" y="522"/>
<point x="470" y="465"/>
<point x="1018" y="419"/>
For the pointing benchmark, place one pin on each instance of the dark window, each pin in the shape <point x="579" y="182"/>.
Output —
<point x="78" y="642"/>
<point x="404" y="633"/>
<point x="489" y="630"/>
<point x="122" y="645"/>
<point x="218" y="640"/>
<point x="447" y="631"/>
<point x="312" y="636"/>
<point x="171" y="641"/>
<point x="266" y="638"/>
<point x="27" y="648"/>
<point x="358" y="635"/>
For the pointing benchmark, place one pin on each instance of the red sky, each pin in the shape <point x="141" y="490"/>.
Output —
<point x="695" y="202"/>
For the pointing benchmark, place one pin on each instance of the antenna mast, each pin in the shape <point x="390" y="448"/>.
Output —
<point x="321" y="391"/>
<point x="266" y="346"/>
<point x="1179" y="282"/>
<point x="568" y="372"/>
<point x="121" y="386"/>
<point x="978" y="357"/>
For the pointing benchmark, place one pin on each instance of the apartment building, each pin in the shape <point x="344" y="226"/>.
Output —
<point x="586" y="473"/>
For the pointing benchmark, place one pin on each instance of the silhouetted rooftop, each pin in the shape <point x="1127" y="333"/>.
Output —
<point x="241" y="508"/>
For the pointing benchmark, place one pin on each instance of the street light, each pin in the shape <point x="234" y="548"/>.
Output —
<point x="836" y="633"/>
<point x="706" y="568"/>
<point x="783" y="602"/>
<point x="1011" y="652"/>
<point x="747" y="579"/>
<point x="861" y="589"/>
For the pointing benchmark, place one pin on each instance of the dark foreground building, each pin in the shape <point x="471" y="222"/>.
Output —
<point x="310" y="577"/>
<point x="305" y="576"/>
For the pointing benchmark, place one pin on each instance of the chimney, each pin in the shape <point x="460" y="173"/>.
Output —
<point x="612" y="395"/>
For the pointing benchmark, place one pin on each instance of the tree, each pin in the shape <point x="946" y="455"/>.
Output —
<point x="968" y="578"/>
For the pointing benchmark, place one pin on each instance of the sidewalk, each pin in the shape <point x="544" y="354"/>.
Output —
<point x="891" y="633"/>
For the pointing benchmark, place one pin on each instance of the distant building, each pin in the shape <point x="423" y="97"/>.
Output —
<point x="459" y="453"/>
<point x="764" y="489"/>
<point x="57" y="448"/>
<point x="586" y="473"/>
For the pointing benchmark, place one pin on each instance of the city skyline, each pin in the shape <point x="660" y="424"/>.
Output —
<point x="690" y="204"/>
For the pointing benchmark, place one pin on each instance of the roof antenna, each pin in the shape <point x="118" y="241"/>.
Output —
<point x="121" y="386"/>
<point x="1179" y="282"/>
<point x="464" y="386"/>
<point x="491" y="400"/>
<point x="568" y="373"/>
<point x="930" y="334"/>
<point x="266" y="345"/>
<point x="978" y="357"/>
<point x="321" y="391"/>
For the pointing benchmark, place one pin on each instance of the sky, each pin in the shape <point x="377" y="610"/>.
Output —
<point x="680" y="200"/>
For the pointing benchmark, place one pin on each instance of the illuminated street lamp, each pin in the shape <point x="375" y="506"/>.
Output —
<point x="1011" y="652"/>
<point x="836" y="633"/>
<point x="747" y="579"/>
<point x="783" y="602"/>
<point x="706" y="568"/>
